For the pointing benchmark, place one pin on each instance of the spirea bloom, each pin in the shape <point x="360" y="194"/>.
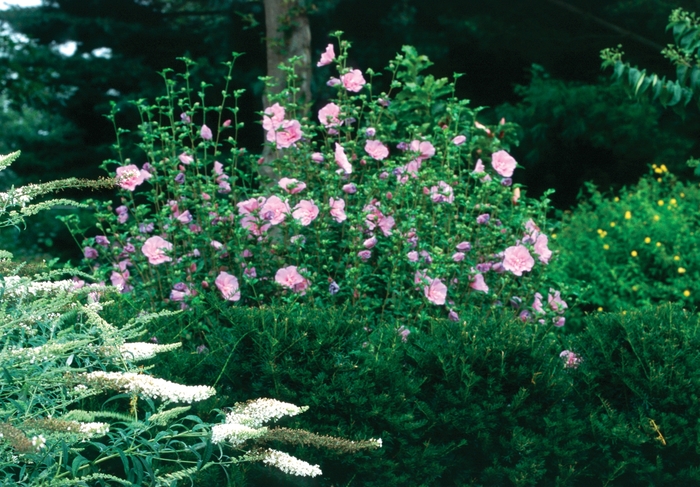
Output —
<point x="274" y="210"/>
<point x="353" y="81"/>
<point x="503" y="163"/>
<point x="228" y="285"/>
<point x="342" y="160"/>
<point x="541" y="249"/>
<point x="517" y="259"/>
<point x="337" y="209"/>
<point x="155" y="249"/>
<point x="376" y="150"/>
<point x="305" y="212"/>
<point x="148" y="387"/>
<point x="435" y="292"/>
<point x="289" y="277"/>
<point x="205" y="133"/>
<point x="128" y="177"/>
<point x="327" y="57"/>
<point x="328" y="115"/>
<point x="291" y="186"/>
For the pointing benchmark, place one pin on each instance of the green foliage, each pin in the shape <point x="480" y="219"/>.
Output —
<point x="635" y="249"/>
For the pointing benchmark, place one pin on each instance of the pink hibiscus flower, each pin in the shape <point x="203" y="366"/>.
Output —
<point x="338" y="209"/>
<point x="305" y="212"/>
<point x="555" y="302"/>
<point x="353" y="81"/>
<point x="376" y="149"/>
<point x="478" y="283"/>
<point x="327" y="57"/>
<point x="289" y="134"/>
<point x="128" y="177"/>
<point x="291" y="186"/>
<point x="274" y="210"/>
<point x="503" y="163"/>
<point x="155" y="249"/>
<point x="517" y="259"/>
<point x="289" y="277"/>
<point x="248" y="206"/>
<point x="537" y="303"/>
<point x="328" y="115"/>
<point x="185" y="158"/>
<point x="228" y="285"/>
<point x="273" y="117"/>
<point x="205" y="133"/>
<point x="435" y="292"/>
<point x="425" y="149"/>
<point x="541" y="249"/>
<point x="342" y="160"/>
<point x="442" y="193"/>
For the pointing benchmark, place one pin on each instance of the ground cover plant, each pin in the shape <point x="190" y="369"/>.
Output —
<point x="59" y="355"/>
<point x="396" y="202"/>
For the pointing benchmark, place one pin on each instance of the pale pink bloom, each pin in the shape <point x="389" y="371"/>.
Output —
<point x="458" y="256"/>
<point x="459" y="140"/>
<point x="479" y="167"/>
<point x="180" y="292"/>
<point x="541" y="249"/>
<point x="227" y="123"/>
<point x="436" y="292"/>
<point x="328" y="115"/>
<point x="342" y="160"/>
<point x="421" y="277"/>
<point x="337" y="209"/>
<point x="184" y="217"/>
<point x="571" y="359"/>
<point x="247" y="254"/>
<point x="517" y="259"/>
<point x="532" y="229"/>
<point x="128" y="177"/>
<point x="327" y="57"/>
<point x="482" y="127"/>
<point x="376" y="149"/>
<point x="155" y="249"/>
<point x="248" y="206"/>
<point x="353" y="81"/>
<point x="273" y="117"/>
<point x="464" y="246"/>
<point x="364" y="254"/>
<point x="291" y="186"/>
<point x="252" y="224"/>
<point x="119" y="279"/>
<point x="478" y="283"/>
<point x="453" y="316"/>
<point x="185" y="158"/>
<point x="349" y="188"/>
<point x="228" y="285"/>
<point x="412" y="256"/>
<point x="516" y="195"/>
<point x="555" y="302"/>
<point x="425" y="149"/>
<point x="90" y="253"/>
<point x="385" y="224"/>
<point x="306" y="212"/>
<point x="317" y="157"/>
<point x="205" y="133"/>
<point x="442" y="193"/>
<point x="218" y="168"/>
<point x="537" y="303"/>
<point x="370" y="242"/>
<point x="413" y="167"/>
<point x="274" y="210"/>
<point x="288" y="136"/>
<point x="403" y="332"/>
<point x="560" y="321"/>
<point x="216" y="244"/>
<point x="503" y="163"/>
<point x="289" y="277"/>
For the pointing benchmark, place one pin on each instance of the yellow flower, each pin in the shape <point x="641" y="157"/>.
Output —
<point x="676" y="257"/>
<point x="686" y="293"/>
<point x="647" y="240"/>
<point x="664" y="168"/>
<point x="624" y="312"/>
<point x="612" y="224"/>
<point x="616" y="199"/>
<point x="657" y="218"/>
<point x="635" y="288"/>
<point x="658" y="179"/>
<point x="634" y="253"/>
<point x="600" y="308"/>
<point x="681" y="270"/>
<point x="660" y="202"/>
<point x="682" y="195"/>
<point x="602" y="233"/>
<point x="554" y="235"/>
<point x="606" y="247"/>
<point x="658" y="244"/>
<point x="673" y="201"/>
<point x="628" y="215"/>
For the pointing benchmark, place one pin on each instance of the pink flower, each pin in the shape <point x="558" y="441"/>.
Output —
<point x="385" y="224"/>
<point x="458" y="256"/>
<point x="317" y="157"/>
<point x="459" y="140"/>
<point x="342" y="160"/>
<point x="413" y="167"/>
<point x="364" y="254"/>
<point x="184" y="217"/>
<point x="274" y="210"/>
<point x="571" y="359"/>
<point x="228" y="285"/>
<point x="185" y="158"/>
<point x="503" y="163"/>
<point x="327" y="57"/>
<point x="154" y="248"/>
<point x="537" y="303"/>
<point x="560" y="321"/>
<point x="216" y="244"/>
<point x="442" y="193"/>
<point x="248" y="206"/>
<point x="205" y="133"/>
<point x="482" y="127"/>
<point x="291" y="186"/>
<point x="119" y="279"/>
<point x="338" y="209"/>
<point x="328" y="115"/>
<point x="541" y="249"/>
<point x="517" y="259"/>
<point x="425" y="149"/>
<point x="516" y="195"/>
<point x="289" y="277"/>
<point x="478" y="283"/>
<point x="179" y="292"/>
<point x="435" y="292"/>
<point x="288" y="136"/>
<point x="306" y="212"/>
<point x="227" y="123"/>
<point x="555" y="302"/>
<point x="464" y="246"/>
<point x="479" y="167"/>
<point x="412" y="256"/>
<point x="376" y="149"/>
<point x="128" y="177"/>
<point x="218" y="168"/>
<point x="353" y="81"/>
<point x="90" y="253"/>
<point x="273" y="117"/>
<point x="370" y="242"/>
<point x="349" y="188"/>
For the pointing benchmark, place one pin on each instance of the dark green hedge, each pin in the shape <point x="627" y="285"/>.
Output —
<point x="485" y="402"/>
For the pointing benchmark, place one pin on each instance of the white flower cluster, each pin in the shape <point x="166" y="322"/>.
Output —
<point x="20" y="196"/>
<point x="151" y="387"/>
<point x="94" y="429"/>
<point x="235" y="433"/>
<point x="289" y="464"/>
<point x="138" y="351"/>
<point x="13" y="287"/>
<point x="259" y="411"/>
<point x="39" y="442"/>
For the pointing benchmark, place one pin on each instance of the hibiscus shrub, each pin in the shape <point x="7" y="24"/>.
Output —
<point x="639" y="248"/>
<point x="395" y="202"/>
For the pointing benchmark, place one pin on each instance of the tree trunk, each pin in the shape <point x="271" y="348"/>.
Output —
<point x="288" y="35"/>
